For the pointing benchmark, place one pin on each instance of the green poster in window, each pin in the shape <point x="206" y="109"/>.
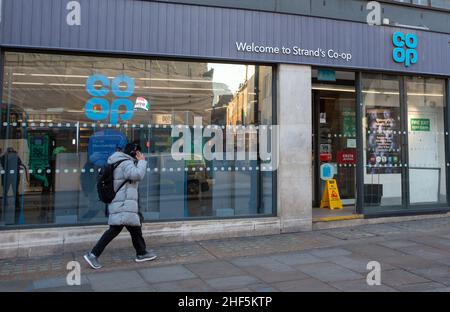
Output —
<point x="349" y="125"/>
<point x="420" y="124"/>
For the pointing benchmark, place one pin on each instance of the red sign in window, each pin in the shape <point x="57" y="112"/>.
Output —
<point x="325" y="157"/>
<point x="346" y="157"/>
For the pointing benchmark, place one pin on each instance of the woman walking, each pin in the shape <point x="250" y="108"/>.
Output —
<point x="124" y="209"/>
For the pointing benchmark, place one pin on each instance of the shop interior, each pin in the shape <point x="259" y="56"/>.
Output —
<point x="334" y="140"/>
<point x="404" y="142"/>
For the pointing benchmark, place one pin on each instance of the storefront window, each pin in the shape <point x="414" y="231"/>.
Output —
<point x="404" y="143"/>
<point x="426" y="140"/>
<point x="383" y="141"/>
<point x="444" y="4"/>
<point x="63" y="115"/>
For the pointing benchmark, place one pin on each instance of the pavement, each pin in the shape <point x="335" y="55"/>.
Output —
<point x="414" y="256"/>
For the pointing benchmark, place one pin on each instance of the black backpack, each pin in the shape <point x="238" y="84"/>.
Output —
<point x="105" y="183"/>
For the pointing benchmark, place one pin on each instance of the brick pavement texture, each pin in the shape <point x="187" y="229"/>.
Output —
<point x="414" y="256"/>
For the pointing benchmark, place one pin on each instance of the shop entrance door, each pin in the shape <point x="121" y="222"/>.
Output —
<point x="334" y="147"/>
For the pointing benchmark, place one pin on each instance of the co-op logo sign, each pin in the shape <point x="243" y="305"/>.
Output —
<point x="99" y="108"/>
<point x="405" y="48"/>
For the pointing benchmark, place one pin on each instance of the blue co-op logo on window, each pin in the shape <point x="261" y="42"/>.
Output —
<point x="405" y="48"/>
<point x="99" y="108"/>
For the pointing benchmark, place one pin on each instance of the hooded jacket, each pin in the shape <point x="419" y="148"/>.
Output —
<point x="124" y="209"/>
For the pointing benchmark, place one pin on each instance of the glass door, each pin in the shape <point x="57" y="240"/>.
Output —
<point x="335" y="142"/>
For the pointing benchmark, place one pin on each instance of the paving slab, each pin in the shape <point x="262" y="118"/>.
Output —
<point x="444" y="261"/>
<point x="329" y="272"/>
<point x="304" y="285"/>
<point x="81" y="288"/>
<point x="187" y="285"/>
<point x="374" y="251"/>
<point x="361" y="285"/>
<point x="214" y="269"/>
<point x="330" y="252"/>
<point x="357" y="263"/>
<point x="14" y="286"/>
<point x="55" y="282"/>
<point x="297" y="258"/>
<point x="111" y="281"/>
<point x="234" y="282"/>
<point x="426" y="252"/>
<point x="381" y="229"/>
<point x="166" y="274"/>
<point x="440" y="274"/>
<point x="261" y="287"/>
<point x="147" y="288"/>
<point x="445" y="289"/>
<point x="349" y="233"/>
<point x="432" y="241"/>
<point x="397" y="277"/>
<point x="275" y="275"/>
<point x="240" y="290"/>
<point x="407" y="262"/>
<point x="255" y="260"/>
<point x="420" y="287"/>
<point x="394" y="244"/>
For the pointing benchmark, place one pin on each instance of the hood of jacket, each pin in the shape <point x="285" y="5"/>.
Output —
<point x="118" y="156"/>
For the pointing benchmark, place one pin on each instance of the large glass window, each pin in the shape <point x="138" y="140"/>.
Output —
<point x="405" y="142"/>
<point x="426" y="140"/>
<point x="383" y="141"/>
<point x="444" y="4"/>
<point x="63" y="115"/>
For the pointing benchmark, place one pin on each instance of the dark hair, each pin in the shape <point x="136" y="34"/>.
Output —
<point x="132" y="148"/>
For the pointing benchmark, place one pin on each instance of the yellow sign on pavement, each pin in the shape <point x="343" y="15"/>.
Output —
<point x="331" y="198"/>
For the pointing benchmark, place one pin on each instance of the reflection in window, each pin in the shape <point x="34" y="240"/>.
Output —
<point x="443" y="4"/>
<point x="426" y="140"/>
<point x="63" y="115"/>
<point x="421" y="2"/>
<point x="382" y="141"/>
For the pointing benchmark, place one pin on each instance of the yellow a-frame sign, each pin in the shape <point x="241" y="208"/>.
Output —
<point x="331" y="198"/>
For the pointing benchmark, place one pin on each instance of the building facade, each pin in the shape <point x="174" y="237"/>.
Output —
<point x="244" y="109"/>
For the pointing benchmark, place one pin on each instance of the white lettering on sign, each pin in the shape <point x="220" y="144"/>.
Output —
<point x="252" y="47"/>
<point x="374" y="15"/>
<point x="74" y="16"/>
<point x="294" y="50"/>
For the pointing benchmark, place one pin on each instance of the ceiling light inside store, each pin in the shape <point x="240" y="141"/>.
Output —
<point x="29" y="83"/>
<point x="112" y="77"/>
<point x="69" y="85"/>
<point x="55" y="110"/>
<point x="58" y="75"/>
<point x="331" y="88"/>
<point x="397" y="93"/>
<point x="426" y="94"/>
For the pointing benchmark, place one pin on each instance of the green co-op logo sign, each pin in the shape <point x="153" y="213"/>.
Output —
<point x="405" y="48"/>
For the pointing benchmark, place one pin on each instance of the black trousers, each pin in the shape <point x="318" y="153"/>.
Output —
<point x="113" y="231"/>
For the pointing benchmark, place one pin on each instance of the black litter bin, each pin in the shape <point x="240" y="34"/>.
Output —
<point x="373" y="194"/>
